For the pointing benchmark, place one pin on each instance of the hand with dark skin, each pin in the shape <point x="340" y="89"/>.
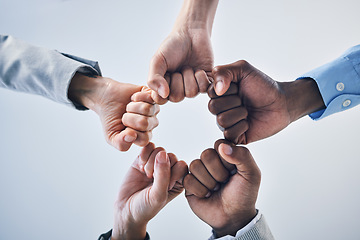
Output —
<point x="179" y="67"/>
<point x="110" y="99"/>
<point x="222" y="187"/>
<point x="251" y="106"/>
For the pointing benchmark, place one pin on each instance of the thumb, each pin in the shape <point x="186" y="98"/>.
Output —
<point x="156" y="79"/>
<point x="242" y="159"/>
<point x="162" y="172"/>
<point x="225" y="74"/>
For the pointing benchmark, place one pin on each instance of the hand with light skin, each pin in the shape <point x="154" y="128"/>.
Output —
<point x="110" y="100"/>
<point x="223" y="186"/>
<point x="141" y="197"/>
<point x="251" y="106"/>
<point x="179" y="67"/>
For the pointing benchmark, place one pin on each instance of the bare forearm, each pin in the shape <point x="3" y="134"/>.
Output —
<point x="302" y="98"/>
<point x="197" y="14"/>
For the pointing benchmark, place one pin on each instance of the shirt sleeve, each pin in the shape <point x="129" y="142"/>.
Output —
<point x="257" y="229"/>
<point x="40" y="71"/>
<point x="338" y="82"/>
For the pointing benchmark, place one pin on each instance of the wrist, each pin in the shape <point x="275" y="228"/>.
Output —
<point x="84" y="90"/>
<point x="129" y="231"/>
<point x="302" y="98"/>
<point x="196" y="14"/>
<point x="237" y="222"/>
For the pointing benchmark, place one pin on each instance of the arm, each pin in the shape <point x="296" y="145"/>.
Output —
<point x="265" y="107"/>
<point x="254" y="105"/>
<point x="76" y="82"/>
<point x="178" y="68"/>
<point x="36" y="70"/>
<point x="141" y="197"/>
<point x="222" y="189"/>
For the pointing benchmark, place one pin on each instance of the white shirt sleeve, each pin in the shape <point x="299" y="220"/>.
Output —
<point x="40" y="71"/>
<point x="256" y="229"/>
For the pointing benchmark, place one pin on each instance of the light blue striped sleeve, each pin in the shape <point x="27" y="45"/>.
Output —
<point x="338" y="82"/>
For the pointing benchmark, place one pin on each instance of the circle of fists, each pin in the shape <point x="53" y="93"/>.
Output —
<point x="221" y="186"/>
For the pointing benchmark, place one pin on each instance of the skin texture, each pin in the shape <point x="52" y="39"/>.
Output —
<point x="141" y="197"/>
<point x="110" y="100"/>
<point x="222" y="187"/>
<point x="251" y="106"/>
<point x="179" y="67"/>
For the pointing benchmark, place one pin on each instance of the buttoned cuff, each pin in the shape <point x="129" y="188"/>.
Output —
<point x="338" y="83"/>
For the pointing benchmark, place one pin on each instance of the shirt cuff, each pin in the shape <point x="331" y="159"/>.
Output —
<point x="86" y="67"/>
<point x="255" y="229"/>
<point x="338" y="83"/>
<point x="107" y="236"/>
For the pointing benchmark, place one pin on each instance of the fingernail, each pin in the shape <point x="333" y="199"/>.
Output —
<point x="171" y="185"/>
<point x="227" y="149"/>
<point x="161" y="91"/>
<point x="129" y="139"/>
<point x="208" y="194"/>
<point x="162" y="157"/>
<point x="217" y="187"/>
<point x="219" y="86"/>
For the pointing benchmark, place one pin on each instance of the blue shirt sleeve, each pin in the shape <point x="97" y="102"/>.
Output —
<point x="338" y="82"/>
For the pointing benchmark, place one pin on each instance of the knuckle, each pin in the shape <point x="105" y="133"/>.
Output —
<point x="208" y="155"/>
<point x="221" y="119"/>
<point x="143" y="122"/>
<point x="147" y="109"/>
<point x="242" y="63"/>
<point x="212" y="106"/>
<point x="195" y="165"/>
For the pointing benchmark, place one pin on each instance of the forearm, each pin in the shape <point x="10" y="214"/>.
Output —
<point x="197" y="14"/>
<point x="302" y="98"/>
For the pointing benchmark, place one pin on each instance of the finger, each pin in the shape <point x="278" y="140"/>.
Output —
<point x="230" y="167"/>
<point x="139" y="122"/>
<point x="190" y="84"/>
<point x="243" y="160"/>
<point x="214" y="166"/>
<point x="225" y="74"/>
<point x="142" y="97"/>
<point x="173" y="159"/>
<point x="162" y="172"/>
<point x="123" y="140"/>
<point x="177" y="92"/>
<point x="145" y="155"/>
<point x="178" y="172"/>
<point x="143" y="108"/>
<point x="156" y="80"/>
<point x="199" y="171"/>
<point x="143" y="138"/>
<point x="234" y="133"/>
<point x="158" y="99"/>
<point x="149" y="166"/>
<point x="233" y="90"/>
<point x="202" y="80"/>
<point x="194" y="187"/>
<point x="219" y="105"/>
<point x="231" y="117"/>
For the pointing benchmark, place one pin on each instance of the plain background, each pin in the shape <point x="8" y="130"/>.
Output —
<point x="59" y="178"/>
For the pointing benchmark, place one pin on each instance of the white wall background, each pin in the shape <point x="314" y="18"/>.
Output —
<point x="59" y="178"/>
